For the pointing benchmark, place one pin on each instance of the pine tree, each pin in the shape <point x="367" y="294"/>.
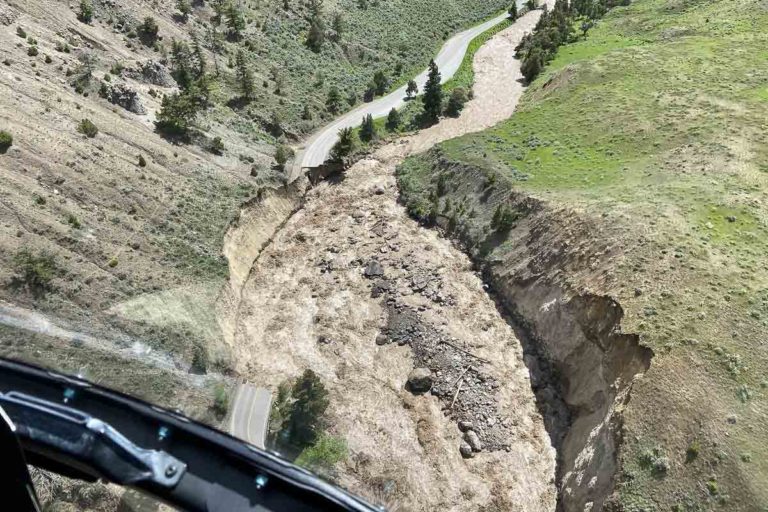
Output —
<point x="244" y="75"/>
<point x="307" y="414"/>
<point x="316" y="36"/>
<point x="344" y="146"/>
<point x="199" y="57"/>
<point x="380" y="82"/>
<point x="334" y="100"/>
<point x="235" y="21"/>
<point x="367" y="129"/>
<point x="412" y="89"/>
<point x="393" y="120"/>
<point x="181" y="59"/>
<point x="433" y="94"/>
<point x="513" y="11"/>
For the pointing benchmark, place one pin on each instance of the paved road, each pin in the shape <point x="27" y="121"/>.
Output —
<point x="317" y="148"/>
<point x="249" y="416"/>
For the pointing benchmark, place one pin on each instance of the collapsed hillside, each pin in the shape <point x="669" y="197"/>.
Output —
<point x="620" y="213"/>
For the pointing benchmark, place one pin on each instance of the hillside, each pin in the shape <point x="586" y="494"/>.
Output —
<point x="118" y="232"/>
<point x="631" y="219"/>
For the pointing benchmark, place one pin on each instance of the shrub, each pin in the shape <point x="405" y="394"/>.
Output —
<point x="217" y="146"/>
<point x="178" y="112"/>
<point x="693" y="451"/>
<point x="142" y="161"/>
<point x="73" y="221"/>
<point x="86" y="11"/>
<point x="113" y="262"/>
<point x="34" y="271"/>
<point x="148" y="30"/>
<point x="655" y="461"/>
<point x="324" y="454"/>
<point x="456" y="102"/>
<point x="21" y="32"/>
<point x="48" y="59"/>
<point x="87" y="128"/>
<point x="6" y="141"/>
<point x="220" y="400"/>
<point x="32" y="51"/>
<point x="282" y="155"/>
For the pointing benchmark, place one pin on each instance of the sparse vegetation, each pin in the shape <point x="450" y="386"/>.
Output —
<point x="6" y="141"/>
<point x="34" y="271"/>
<point x="220" y="400"/>
<point x="87" y="128"/>
<point x="85" y="14"/>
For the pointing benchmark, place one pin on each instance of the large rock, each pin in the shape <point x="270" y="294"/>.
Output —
<point x="466" y="451"/>
<point x="155" y="73"/>
<point x="373" y="269"/>
<point x="121" y="94"/>
<point x="419" y="380"/>
<point x="473" y="440"/>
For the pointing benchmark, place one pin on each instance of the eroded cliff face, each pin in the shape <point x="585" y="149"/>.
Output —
<point x="549" y="273"/>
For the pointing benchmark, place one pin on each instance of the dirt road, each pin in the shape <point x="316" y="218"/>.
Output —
<point x="354" y="289"/>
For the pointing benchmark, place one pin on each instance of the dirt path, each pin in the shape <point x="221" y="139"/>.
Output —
<point x="354" y="289"/>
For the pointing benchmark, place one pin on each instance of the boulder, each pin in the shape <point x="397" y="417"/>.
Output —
<point x="155" y="73"/>
<point x="419" y="380"/>
<point x="465" y="425"/>
<point x="466" y="451"/>
<point x="473" y="440"/>
<point x="121" y="94"/>
<point x="373" y="269"/>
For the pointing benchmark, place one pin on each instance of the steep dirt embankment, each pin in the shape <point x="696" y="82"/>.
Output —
<point x="543" y="271"/>
<point x="352" y="288"/>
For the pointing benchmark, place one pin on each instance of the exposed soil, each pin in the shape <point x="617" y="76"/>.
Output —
<point x="353" y="288"/>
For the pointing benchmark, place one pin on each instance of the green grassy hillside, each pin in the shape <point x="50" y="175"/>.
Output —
<point x="652" y="132"/>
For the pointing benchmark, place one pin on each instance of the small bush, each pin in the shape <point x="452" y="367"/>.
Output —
<point x="456" y="102"/>
<point x="217" y="146"/>
<point x="693" y="451"/>
<point x="21" y="32"/>
<point x="220" y="400"/>
<point x="148" y="30"/>
<point x="73" y="221"/>
<point x="655" y="461"/>
<point x="113" y="262"/>
<point x="34" y="271"/>
<point x="142" y="161"/>
<point x="86" y="12"/>
<point x="87" y="128"/>
<point x="40" y="200"/>
<point x="6" y="141"/>
<point x="48" y="59"/>
<point x="32" y="51"/>
<point x="324" y="454"/>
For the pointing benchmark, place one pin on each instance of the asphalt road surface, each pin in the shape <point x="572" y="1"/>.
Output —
<point x="249" y="416"/>
<point x="318" y="147"/>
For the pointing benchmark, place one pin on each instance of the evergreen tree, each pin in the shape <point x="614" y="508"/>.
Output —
<point x="316" y="36"/>
<point x="333" y="103"/>
<point x="307" y="414"/>
<point x="244" y="75"/>
<point x="456" y="102"/>
<point x="393" y="120"/>
<point x="367" y="129"/>
<point x="338" y="25"/>
<point x="185" y="8"/>
<point x="513" y="11"/>
<point x="433" y="94"/>
<point x="532" y="64"/>
<point x="282" y="155"/>
<point x="181" y="64"/>
<point x="380" y="82"/>
<point x="412" y="89"/>
<point x="344" y="146"/>
<point x="235" y="21"/>
<point x="199" y="58"/>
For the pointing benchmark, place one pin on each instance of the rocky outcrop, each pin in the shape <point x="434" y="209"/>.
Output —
<point x="124" y="96"/>
<point x="155" y="73"/>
